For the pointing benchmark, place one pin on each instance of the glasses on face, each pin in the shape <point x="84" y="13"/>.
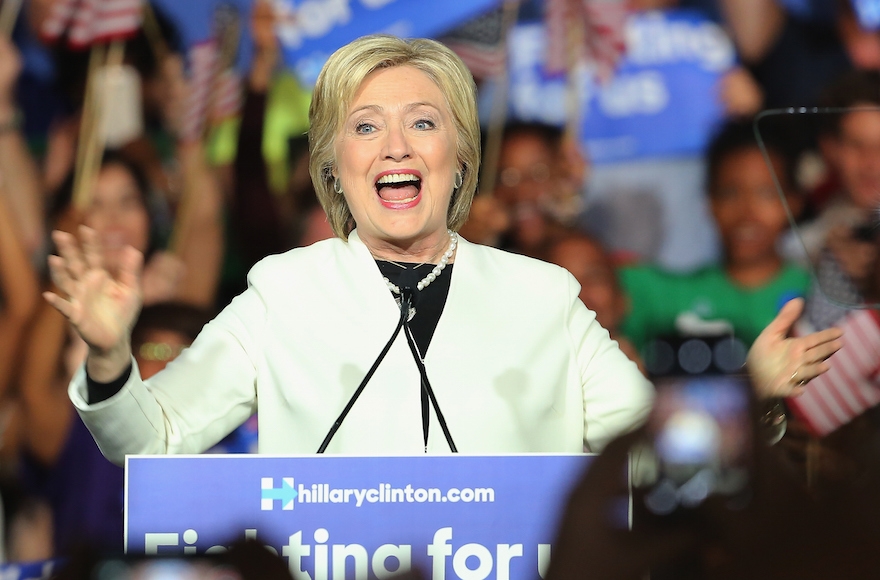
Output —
<point x="537" y="173"/>
<point x="160" y="351"/>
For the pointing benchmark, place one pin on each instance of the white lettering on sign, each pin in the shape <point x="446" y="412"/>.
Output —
<point x="309" y="19"/>
<point x="376" y="4"/>
<point x="653" y="39"/>
<point x="317" y="558"/>
<point x="643" y="93"/>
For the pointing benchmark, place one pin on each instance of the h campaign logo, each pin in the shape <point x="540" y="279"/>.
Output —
<point x="285" y="494"/>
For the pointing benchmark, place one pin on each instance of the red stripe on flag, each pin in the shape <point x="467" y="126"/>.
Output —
<point x="227" y="95"/>
<point x="90" y="21"/>
<point x="202" y="60"/>
<point x="847" y="377"/>
<point x="851" y="385"/>
<point x="556" y="21"/>
<point x="59" y="18"/>
<point x="482" y="61"/>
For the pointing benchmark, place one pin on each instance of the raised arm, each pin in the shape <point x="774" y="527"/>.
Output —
<point x="19" y="290"/>
<point x="20" y="180"/>
<point x="755" y="26"/>
<point x="46" y="412"/>
<point x="199" y="229"/>
<point x="255" y="217"/>
<point x="197" y="239"/>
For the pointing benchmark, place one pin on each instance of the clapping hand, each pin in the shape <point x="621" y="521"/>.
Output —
<point x="101" y="308"/>
<point x="781" y="365"/>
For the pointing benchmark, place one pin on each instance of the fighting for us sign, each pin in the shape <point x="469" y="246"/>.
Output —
<point x="332" y="517"/>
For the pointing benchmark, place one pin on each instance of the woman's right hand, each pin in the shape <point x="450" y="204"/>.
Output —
<point x="101" y="308"/>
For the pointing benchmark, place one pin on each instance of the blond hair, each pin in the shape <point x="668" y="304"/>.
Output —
<point x="340" y="79"/>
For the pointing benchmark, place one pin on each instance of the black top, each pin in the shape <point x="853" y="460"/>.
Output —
<point x="428" y="303"/>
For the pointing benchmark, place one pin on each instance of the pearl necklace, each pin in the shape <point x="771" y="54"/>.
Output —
<point x="444" y="259"/>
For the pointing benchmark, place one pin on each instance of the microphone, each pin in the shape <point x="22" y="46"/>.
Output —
<point x="404" y="312"/>
<point x="407" y="303"/>
<point x="408" y="298"/>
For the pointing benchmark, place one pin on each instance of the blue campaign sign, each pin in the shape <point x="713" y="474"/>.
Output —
<point x="662" y="101"/>
<point x="194" y="20"/>
<point x="311" y="30"/>
<point x="357" y="517"/>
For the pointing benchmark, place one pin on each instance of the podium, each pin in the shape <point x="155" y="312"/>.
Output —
<point x="335" y="517"/>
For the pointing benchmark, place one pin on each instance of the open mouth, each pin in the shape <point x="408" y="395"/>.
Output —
<point x="399" y="189"/>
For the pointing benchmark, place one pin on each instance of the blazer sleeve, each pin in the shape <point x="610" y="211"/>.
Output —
<point x="194" y="402"/>
<point x="616" y="395"/>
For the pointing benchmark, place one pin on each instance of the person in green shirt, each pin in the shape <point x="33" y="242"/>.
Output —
<point x="743" y="293"/>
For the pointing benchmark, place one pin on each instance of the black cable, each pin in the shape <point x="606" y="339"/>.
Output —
<point x="404" y="312"/>
<point x="406" y="298"/>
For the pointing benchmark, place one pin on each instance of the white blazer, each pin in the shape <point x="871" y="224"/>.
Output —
<point x="517" y="362"/>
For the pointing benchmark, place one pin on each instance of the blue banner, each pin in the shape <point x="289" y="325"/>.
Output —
<point x="194" y="20"/>
<point x="311" y="30"/>
<point x="662" y="101"/>
<point x="452" y="516"/>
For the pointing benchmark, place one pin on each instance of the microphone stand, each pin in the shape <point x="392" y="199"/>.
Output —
<point x="404" y="312"/>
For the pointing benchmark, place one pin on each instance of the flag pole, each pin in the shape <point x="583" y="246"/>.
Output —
<point x="90" y="148"/>
<point x="575" y="36"/>
<point x="153" y="33"/>
<point x="498" y="111"/>
<point x="81" y="190"/>
<point x="228" y="40"/>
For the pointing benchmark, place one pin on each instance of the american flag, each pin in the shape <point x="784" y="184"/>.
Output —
<point x="227" y="96"/>
<point x="479" y="43"/>
<point x="602" y="25"/>
<point x="89" y="21"/>
<point x="202" y="60"/>
<point x="852" y="386"/>
<point x="213" y="94"/>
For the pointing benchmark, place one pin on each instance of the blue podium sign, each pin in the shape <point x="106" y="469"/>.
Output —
<point x="470" y="517"/>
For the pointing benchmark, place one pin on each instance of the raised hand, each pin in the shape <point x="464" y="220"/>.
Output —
<point x="101" y="308"/>
<point x="781" y="365"/>
<point x="10" y="68"/>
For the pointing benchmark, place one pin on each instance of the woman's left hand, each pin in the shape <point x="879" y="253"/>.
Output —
<point x="781" y="365"/>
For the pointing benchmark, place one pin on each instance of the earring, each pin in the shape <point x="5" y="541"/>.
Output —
<point x="459" y="179"/>
<point x="337" y="186"/>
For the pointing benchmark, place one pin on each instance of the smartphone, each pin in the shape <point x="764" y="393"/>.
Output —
<point x="701" y="434"/>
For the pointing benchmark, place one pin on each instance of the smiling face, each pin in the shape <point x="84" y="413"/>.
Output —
<point x="396" y="161"/>
<point x="858" y="157"/>
<point x="747" y="208"/>
<point x="118" y="213"/>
